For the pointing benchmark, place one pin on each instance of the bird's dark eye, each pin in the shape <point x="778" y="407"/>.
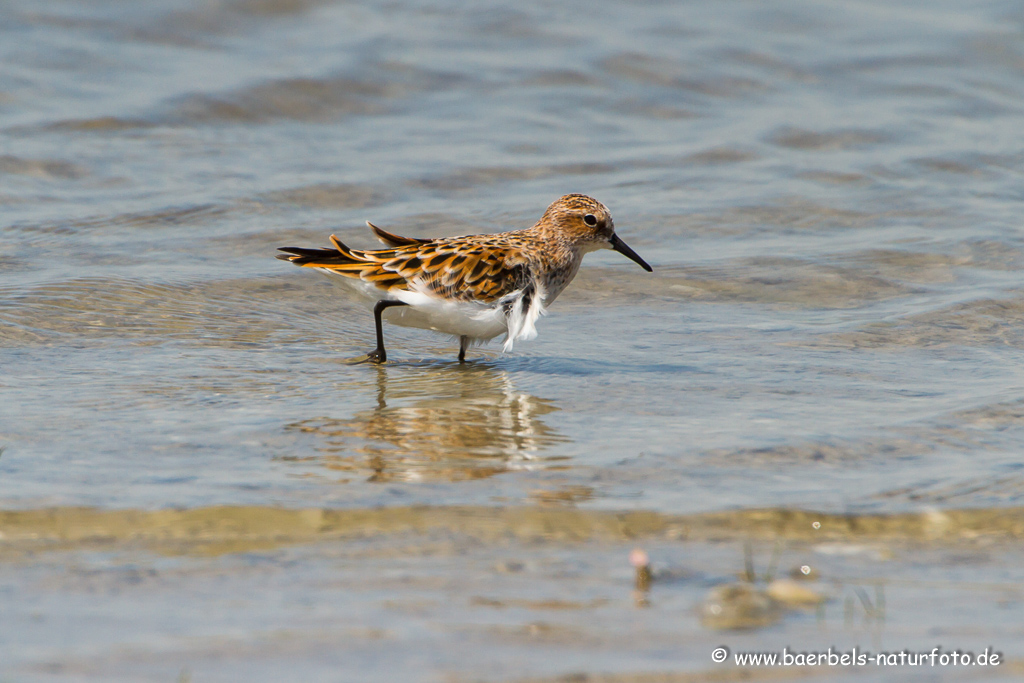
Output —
<point x="589" y="219"/>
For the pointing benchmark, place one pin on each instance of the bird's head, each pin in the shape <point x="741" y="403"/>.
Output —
<point x="586" y="223"/>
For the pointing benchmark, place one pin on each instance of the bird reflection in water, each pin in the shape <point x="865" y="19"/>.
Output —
<point x="438" y="425"/>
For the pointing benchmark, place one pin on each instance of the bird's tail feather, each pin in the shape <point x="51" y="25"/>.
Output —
<point x="341" y="260"/>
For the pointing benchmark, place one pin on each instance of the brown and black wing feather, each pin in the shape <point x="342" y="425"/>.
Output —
<point x="478" y="268"/>
<point x="390" y="239"/>
<point x="469" y="269"/>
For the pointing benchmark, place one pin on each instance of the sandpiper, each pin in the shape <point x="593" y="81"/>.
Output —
<point x="475" y="287"/>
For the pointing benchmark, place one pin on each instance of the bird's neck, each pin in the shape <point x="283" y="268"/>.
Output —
<point x="555" y="247"/>
<point x="555" y="261"/>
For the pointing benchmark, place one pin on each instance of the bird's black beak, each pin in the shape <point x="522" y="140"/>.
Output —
<point x="620" y="246"/>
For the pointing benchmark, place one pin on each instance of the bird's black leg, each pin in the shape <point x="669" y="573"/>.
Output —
<point x="463" y="345"/>
<point x="379" y="355"/>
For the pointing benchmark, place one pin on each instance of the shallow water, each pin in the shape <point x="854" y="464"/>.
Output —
<point x="830" y="196"/>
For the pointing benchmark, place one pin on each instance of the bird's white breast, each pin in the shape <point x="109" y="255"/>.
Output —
<point x="430" y="312"/>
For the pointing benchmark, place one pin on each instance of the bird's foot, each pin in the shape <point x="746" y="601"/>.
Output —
<point x="377" y="357"/>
